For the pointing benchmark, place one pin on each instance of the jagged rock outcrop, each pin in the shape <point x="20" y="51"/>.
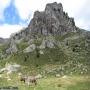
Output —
<point x="18" y="37"/>
<point x="47" y="43"/>
<point x="31" y="48"/>
<point x="10" y="68"/>
<point x="52" y="21"/>
<point x="13" y="48"/>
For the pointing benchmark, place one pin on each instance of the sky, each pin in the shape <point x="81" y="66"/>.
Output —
<point x="16" y="14"/>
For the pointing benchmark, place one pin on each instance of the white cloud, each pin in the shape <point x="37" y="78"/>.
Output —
<point x="73" y="6"/>
<point x="84" y="24"/>
<point x="83" y="16"/>
<point x="3" y="5"/>
<point x="6" y="30"/>
<point x="23" y="6"/>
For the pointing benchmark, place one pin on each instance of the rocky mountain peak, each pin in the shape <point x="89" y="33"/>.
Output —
<point x="53" y="20"/>
<point x="54" y="7"/>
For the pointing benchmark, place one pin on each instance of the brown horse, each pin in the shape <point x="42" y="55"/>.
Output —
<point x="31" y="79"/>
<point x="28" y="79"/>
<point x="23" y="78"/>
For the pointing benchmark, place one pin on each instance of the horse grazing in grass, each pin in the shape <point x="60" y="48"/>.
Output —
<point x="23" y="78"/>
<point x="28" y="79"/>
<point x="31" y="80"/>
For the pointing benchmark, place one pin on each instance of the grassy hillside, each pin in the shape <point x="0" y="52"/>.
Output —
<point x="70" y="56"/>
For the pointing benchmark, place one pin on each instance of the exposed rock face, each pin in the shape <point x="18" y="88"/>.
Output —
<point x="52" y="21"/>
<point x="12" y="49"/>
<point x="41" y="52"/>
<point x="22" y="35"/>
<point x="47" y="43"/>
<point x="31" y="48"/>
<point x="11" y="68"/>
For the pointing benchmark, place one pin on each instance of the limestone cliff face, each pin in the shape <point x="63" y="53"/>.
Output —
<point x="52" y="21"/>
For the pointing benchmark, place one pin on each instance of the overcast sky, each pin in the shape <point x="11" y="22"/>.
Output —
<point x="16" y="14"/>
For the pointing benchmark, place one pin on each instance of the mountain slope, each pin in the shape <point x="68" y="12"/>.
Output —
<point x="50" y="44"/>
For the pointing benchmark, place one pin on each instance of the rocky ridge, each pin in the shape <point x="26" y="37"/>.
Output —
<point x="53" y="20"/>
